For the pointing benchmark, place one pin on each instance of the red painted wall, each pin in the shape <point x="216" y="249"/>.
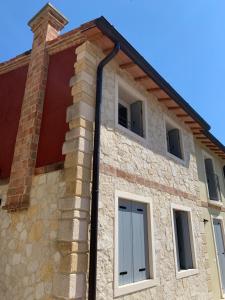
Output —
<point x="57" y="99"/>
<point x="12" y="85"/>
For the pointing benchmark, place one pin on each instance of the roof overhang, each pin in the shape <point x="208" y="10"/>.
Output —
<point x="104" y="35"/>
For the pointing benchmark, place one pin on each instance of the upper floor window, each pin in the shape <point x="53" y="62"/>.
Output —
<point x="130" y="109"/>
<point x="224" y="172"/>
<point x="212" y="180"/>
<point x="173" y="137"/>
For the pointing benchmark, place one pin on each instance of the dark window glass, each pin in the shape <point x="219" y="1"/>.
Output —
<point x="183" y="240"/>
<point x="212" y="180"/>
<point x="173" y="142"/>
<point x="122" y="115"/>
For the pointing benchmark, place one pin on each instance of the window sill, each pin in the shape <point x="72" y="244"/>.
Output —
<point x="215" y="203"/>
<point x="134" y="287"/>
<point x="134" y="135"/>
<point x="176" y="158"/>
<point x="186" y="273"/>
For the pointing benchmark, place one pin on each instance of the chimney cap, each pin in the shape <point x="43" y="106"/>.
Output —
<point x="50" y="10"/>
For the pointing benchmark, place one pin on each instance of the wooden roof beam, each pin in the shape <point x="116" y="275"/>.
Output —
<point x="196" y="128"/>
<point x="198" y="133"/>
<point x="127" y="65"/>
<point x="157" y="89"/>
<point x="173" y="107"/>
<point x="164" y="99"/>
<point x="207" y="143"/>
<point x="190" y="122"/>
<point x="182" y="115"/>
<point x="201" y="138"/>
<point x="141" y="78"/>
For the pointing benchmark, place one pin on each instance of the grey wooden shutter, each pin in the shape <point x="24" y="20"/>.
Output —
<point x="220" y="250"/>
<point x="140" y="241"/>
<point x="184" y="241"/>
<point x="136" y="117"/>
<point x="125" y="243"/>
<point x="174" y="142"/>
<point x="211" y="180"/>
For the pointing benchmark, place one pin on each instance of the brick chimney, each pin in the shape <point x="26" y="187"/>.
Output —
<point x="46" y="25"/>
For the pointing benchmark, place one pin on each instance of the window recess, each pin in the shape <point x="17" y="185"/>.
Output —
<point x="130" y="112"/>
<point x="173" y="137"/>
<point x="224" y="173"/>
<point x="212" y="180"/>
<point x="183" y="240"/>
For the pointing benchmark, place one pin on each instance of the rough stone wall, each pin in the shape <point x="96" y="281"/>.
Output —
<point x="144" y="168"/>
<point x="209" y="211"/>
<point x="28" y="248"/>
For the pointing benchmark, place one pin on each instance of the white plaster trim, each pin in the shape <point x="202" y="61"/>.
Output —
<point x="219" y="218"/>
<point x="137" y="286"/>
<point x="139" y="96"/>
<point x="215" y="203"/>
<point x="189" y="272"/>
<point x="168" y="120"/>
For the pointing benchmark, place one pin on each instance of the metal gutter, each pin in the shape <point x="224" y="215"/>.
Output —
<point x="95" y="176"/>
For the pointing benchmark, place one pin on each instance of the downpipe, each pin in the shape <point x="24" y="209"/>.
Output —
<point x="95" y="176"/>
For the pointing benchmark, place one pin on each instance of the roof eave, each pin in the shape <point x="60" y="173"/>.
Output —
<point x="130" y="51"/>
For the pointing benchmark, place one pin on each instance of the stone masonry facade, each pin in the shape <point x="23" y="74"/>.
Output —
<point x="44" y="248"/>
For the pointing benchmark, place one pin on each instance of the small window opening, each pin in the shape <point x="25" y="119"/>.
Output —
<point x="212" y="180"/>
<point x="173" y="141"/>
<point x="130" y="112"/>
<point x="183" y="240"/>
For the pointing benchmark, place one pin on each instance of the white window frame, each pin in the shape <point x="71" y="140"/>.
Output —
<point x="119" y="81"/>
<point x="206" y="155"/>
<point x="189" y="272"/>
<point x="140" y="285"/>
<point x="219" y="218"/>
<point x="168" y="120"/>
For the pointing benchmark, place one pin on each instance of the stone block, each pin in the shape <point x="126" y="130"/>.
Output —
<point x="77" y="158"/>
<point x="79" y="132"/>
<point x="66" y="248"/>
<point x="79" y="122"/>
<point x="85" y="88"/>
<point x="72" y="203"/>
<point x="74" y="263"/>
<point x="73" y="230"/>
<point x="79" y="144"/>
<point x="81" y="110"/>
<point x="69" y="286"/>
<point x="79" y="172"/>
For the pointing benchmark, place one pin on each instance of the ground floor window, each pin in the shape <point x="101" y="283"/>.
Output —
<point x="133" y="242"/>
<point x="183" y="239"/>
<point x="134" y="254"/>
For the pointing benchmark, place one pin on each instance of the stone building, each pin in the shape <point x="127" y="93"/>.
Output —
<point x="155" y="205"/>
